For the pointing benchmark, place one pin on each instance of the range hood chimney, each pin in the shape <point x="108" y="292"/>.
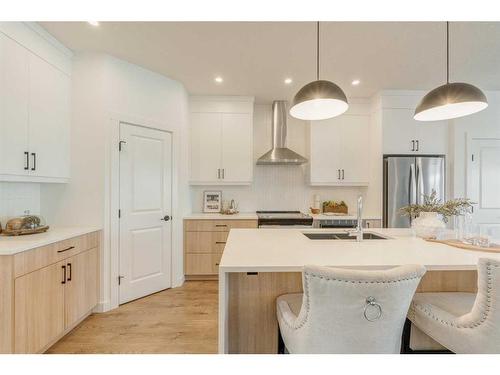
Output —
<point x="280" y="154"/>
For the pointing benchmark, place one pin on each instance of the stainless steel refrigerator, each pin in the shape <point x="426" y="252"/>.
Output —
<point x="406" y="180"/>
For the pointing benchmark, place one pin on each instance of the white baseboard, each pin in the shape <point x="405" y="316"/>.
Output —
<point x="178" y="282"/>
<point x="102" y="307"/>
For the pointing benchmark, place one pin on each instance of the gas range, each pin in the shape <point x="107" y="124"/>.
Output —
<point x="275" y="219"/>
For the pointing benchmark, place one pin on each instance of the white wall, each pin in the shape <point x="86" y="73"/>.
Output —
<point x="18" y="198"/>
<point x="106" y="88"/>
<point x="483" y="124"/>
<point x="286" y="187"/>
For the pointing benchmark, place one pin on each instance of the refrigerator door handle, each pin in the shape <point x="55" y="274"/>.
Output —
<point x="420" y="183"/>
<point x="413" y="185"/>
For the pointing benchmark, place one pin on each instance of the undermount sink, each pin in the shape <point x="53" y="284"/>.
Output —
<point x="342" y="236"/>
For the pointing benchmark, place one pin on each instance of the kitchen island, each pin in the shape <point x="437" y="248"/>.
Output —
<point x="258" y="265"/>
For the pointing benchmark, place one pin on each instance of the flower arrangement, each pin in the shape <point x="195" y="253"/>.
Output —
<point x="453" y="207"/>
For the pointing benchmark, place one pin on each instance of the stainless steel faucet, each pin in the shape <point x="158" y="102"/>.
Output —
<point x="358" y="232"/>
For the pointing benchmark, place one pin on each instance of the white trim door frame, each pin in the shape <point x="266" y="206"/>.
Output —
<point x="111" y="249"/>
<point x="145" y="210"/>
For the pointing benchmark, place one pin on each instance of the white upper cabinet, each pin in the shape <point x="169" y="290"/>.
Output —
<point x="339" y="151"/>
<point x="34" y="108"/>
<point x="403" y="135"/>
<point x="14" y="99"/>
<point x="221" y="146"/>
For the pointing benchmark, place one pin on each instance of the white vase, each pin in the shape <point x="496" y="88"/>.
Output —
<point x="428" y="224"/>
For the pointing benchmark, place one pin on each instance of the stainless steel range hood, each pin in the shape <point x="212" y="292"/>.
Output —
<point x="280" y="154"/>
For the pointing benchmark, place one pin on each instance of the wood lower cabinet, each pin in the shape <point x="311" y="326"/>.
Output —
<point x="80" y="290"/>
<point x="39" y="307"/>
<point x="45" y="292"/>
<point x="204" y="242"/>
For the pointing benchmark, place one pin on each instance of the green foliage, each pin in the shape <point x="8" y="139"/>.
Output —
<point x="454" y="207"/>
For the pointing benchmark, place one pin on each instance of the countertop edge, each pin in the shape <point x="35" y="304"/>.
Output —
<point x="29" y="242"/>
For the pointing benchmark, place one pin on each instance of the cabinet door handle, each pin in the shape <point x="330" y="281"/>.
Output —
<point x="413" y="145"/>
<point x="223" y="170"/>
<point x="338" y="170"/>
<point x="417" y="145"/>
<point x="342" y="174"/>
<point x="64" y="275"/>
<point x="69" y="271"/>
<point x="27" y="160"/>
<point x="69" y="248"/>
<point x="218" y="173"/>
<point x="33" y="154"/>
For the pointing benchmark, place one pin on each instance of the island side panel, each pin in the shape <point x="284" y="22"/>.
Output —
<point x="6" y="304"/>
<point x="253" y="327"/>
<point x="252" y="323"/>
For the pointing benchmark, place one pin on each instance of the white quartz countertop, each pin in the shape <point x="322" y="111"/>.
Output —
<point x="238" y="216"/>
<point x="10" y="245"/>
<point x="283" y="250"/>
<point x="342" y="217"/>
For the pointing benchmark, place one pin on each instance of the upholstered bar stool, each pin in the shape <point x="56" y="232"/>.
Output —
<point x="463" y="322"/>
<point x="348" y="311"/>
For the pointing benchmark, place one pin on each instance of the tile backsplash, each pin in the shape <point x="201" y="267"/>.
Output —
<point x="17" y="198"/>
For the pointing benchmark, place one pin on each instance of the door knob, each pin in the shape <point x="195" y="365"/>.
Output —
<point x="166" y="218"/>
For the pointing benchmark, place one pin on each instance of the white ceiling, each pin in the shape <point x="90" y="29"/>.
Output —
<point x="254" y="58"/>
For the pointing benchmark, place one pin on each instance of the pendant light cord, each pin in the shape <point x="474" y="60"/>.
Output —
<point x="317" y="51"/>
<point x="447" y="52"/>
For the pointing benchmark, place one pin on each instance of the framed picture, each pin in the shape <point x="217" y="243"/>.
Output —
<point x="212" y="201"/>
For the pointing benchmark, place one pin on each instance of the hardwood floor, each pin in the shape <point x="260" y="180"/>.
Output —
<point x="180" y="320"/>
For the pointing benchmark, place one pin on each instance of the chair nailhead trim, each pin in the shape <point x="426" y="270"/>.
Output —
<point x="472" y="324"/>
<point x="306" y="293"/>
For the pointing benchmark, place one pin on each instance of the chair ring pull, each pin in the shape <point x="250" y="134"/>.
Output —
<point x="370" y="304"/>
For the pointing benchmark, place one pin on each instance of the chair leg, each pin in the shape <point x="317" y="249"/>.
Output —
<point x="281" y="343"/>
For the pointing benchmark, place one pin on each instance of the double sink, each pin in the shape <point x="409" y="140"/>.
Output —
<point x="341" y="236"/>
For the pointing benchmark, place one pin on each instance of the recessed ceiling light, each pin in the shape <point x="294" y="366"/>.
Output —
<point x="93" y="23"/>
<point x="288" y="81"/>
<point x="218" y="79"/>
<point x="355" y="82"/>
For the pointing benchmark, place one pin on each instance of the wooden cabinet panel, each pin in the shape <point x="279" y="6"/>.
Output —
<point x="39" y="308"/>
<point x="205" y="242"/>
<point x="217" y="225"/>
<point x="28" y="261"/>
<point x="80" y="292"/>
<point x="203" y="264"/>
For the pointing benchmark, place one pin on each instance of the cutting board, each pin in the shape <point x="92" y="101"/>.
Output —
<point x="494" y="248"/>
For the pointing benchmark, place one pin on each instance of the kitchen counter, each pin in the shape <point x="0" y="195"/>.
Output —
<point x="285" y="250"/>
<point x="342" y="217"/>
<point x="258" y="265"/>
<point x="238" y="216"/>
<point x="10" y="245"/>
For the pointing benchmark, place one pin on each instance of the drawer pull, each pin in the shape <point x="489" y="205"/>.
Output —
<point x="221" y="225"/>
<point x="216" y="264"/>
<point x="69" y="248"/>
<point x="219" y="242"/>
<point x="64" y="275"/>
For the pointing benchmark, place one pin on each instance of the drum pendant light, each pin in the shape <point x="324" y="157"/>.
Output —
<point x="320" y="99"/>
<point x="451" y="100"/>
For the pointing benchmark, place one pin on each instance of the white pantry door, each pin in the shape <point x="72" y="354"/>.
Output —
<point x="483" y="180"/>
<point x="145" y="209"/>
